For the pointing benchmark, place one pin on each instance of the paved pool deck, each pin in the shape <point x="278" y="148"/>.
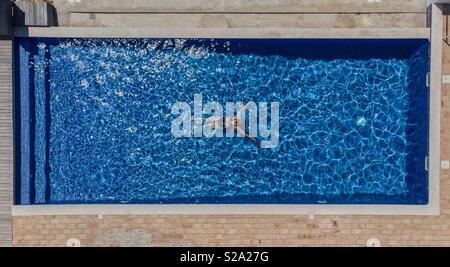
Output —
<point x="251" y="230"/>
<point x="6" y="162"/>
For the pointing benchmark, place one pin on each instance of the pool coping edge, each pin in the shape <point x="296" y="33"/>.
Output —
<point x="220" y="209"/>
<point x="435" y="88"/>
<point x="432" y="208"/>
<point x="317" y="33"/>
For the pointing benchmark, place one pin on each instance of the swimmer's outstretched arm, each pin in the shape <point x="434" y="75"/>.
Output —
<point x="243" y="109"/>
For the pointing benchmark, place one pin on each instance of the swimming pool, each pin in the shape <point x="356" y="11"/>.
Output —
<point x="93" y="121"/>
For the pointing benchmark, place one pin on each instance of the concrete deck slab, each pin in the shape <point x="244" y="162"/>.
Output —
<point x="242" y="6"/>
<point x="91" y="32"/>
<point x="233" y="20"/>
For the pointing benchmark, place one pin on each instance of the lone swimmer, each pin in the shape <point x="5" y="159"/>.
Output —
<point x="227" y="122"/>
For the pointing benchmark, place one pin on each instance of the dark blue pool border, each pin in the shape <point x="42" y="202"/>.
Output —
<point x="23" y="129"/>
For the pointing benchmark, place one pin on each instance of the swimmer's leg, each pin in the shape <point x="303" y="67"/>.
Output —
<point x="209" y="125"/>
<point x="255" y="139"/>
<point x="215" y="118"/>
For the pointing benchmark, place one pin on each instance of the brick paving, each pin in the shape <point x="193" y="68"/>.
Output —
<point x="250" y="230"/>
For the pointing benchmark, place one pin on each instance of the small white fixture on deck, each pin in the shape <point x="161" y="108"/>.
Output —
<point x="373" y="242"/>
<point x="73" y="242"/>
<point x="445" y="164"/>
<point x="445" y="79"/>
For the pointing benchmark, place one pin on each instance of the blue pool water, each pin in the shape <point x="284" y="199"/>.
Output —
<point x="93" y="121"/>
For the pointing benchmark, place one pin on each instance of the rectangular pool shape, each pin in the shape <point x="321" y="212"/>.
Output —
<point x="95" y="121"/>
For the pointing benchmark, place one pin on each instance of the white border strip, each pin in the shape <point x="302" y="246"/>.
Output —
<point x="133" y="209"/>
<point x="435" y="107"/>
<point x="316" y="33"/>
<point x="329" y="209"/>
